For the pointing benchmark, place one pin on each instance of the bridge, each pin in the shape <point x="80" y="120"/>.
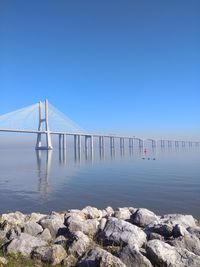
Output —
<point x="44" y="120"/>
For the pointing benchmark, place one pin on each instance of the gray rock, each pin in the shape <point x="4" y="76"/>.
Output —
<point x="143" y="217"/>
<point x="166" y="230"/>
<point x="133" y="257"/>
<point x="45" y="235"/>
<point x="194" y="231"/>
<point x="164" y="255"/>
<point x="183" y="220"/>
<point x="14" y="232"/>
<point x="188" y="241"/>
<point x="13" y="219"/>
<point x="60" y="240"/>
<point x="32" y="228"/>
<point x="92" y="213"/>
<point x="50" y="254"/>
<point x="123" y="214"/>
<point x="89" y="227"/>
<point x="152" y="236"/>
<point x="119" y="231"/>
<point x="69" y="261"/>
<point x="102" y="224"/>
<point x="78" y="244"/>
<point x="34" y="217"/>
<point x="100" y="257"/>
<point x="179" y="230"/>
<point x="54" y="224"/>
<point x="24" y="244"/>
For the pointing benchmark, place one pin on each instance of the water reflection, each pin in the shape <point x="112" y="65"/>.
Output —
<point x="43" y="170"/>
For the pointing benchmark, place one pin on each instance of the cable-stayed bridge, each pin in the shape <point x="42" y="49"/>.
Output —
<point x="44" y="120"/>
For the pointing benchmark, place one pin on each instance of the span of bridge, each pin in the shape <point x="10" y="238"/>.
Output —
<point x="44" y="130"/>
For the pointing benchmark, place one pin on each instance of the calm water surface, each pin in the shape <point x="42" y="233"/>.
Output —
<point x="165" y="181"/>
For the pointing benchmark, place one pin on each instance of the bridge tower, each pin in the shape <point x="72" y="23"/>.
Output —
<point x="43" y="123"/>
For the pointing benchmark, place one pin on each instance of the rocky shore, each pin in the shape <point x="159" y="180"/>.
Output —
<point x="91" y="237"/>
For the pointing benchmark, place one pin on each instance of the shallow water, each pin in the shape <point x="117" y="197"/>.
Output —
<point x="165" y="181"/>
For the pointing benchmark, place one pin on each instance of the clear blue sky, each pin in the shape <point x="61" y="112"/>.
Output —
<point x="129" y="66"/>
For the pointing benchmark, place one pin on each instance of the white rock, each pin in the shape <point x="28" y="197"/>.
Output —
<point x="123" y="213"/>
<point x="79" y="244"/>
<point x="120" y="231"/>
<point x="183" y="220"/>
<point x="92" y="213"/>
<point x="100" y="257"/>
<point x="143" y="217"/>
<point x="54" y="224"/>
<point x="164" y="255"/>
<point x="24" y="244"/>
<point x="32" y="228"/>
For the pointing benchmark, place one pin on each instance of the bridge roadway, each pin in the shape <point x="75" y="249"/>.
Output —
<point x="111" y="136"/>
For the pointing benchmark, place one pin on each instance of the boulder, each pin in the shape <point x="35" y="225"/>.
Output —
<point x="92" y="213"/>
<point x="179" y="230"/>
<point x="32" y="228"/>
<point x="188" y="241"/>
<point x="133" y="257"/>
<point x="24" y="244"/>
<point x="54" y="224"/>
<point x="165" y="230"/>
<point x="45" y="235"/>
<point x="143" y="217"/>
<point x="13" y="219"/>
<point x="109" y="211"/>
<point x="34" y="217"/>
<point x="69" y="261"/>
<point x="118" y="231"/>
<point x="78" y="243"/>
<point x="123" y="214"/>
<point x="194" y="230"/>
<point x="53" y="255"/>
<point x="14" y="232"/>
<point x="183" y="220"/>
<point x="60" y="240"/>
<point x="89" y="227"/>
<point x="163" y="255"/>
<point x="100" y="257"/>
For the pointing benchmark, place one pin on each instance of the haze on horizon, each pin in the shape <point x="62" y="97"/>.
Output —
<point x="111" y="66"/>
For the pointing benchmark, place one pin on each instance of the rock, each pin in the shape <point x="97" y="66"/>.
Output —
<point x="102" y="224"/>
<point x="119" y="231"/>
<point x="2" y="234"/>
<point x="100" y="257"/>
<point x="3" y="261"/>
<point x="123" y="213"/>
<point x="166" y="230"/>
<point x="164" y="255"/>
<point x="183" y="220"/>
<point x="13" y="232"/>
<point x="69" y="261"/>
<point x="188" y="241"/>
<point x="152" y="236"/>
<point x="89" y="227"/>
<point x="24" y="244"/>
<point x="92" y="213"/>
<point x="74" y="215"/>
<point x="143" y="217"/>
<point x="132" y="257"/>
<point x="78" y="244"/>
<point x="13" y="219"/>
<point x="194" y="231"/>
<point x="109" y="211"/>
<point x="54" y="224"/>
<point x="32" y="228"/>
<point x="60" y="240"/>
<point x="50" y="254"/>
<point x="45" y="235"/>
<point x="179" y="230"/>
<point x="34" y="217"/>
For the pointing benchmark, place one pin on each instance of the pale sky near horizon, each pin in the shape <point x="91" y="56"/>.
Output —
<point x="111" y="65"/>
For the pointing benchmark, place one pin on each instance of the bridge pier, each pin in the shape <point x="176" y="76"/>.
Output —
<point x="44" y="120"/>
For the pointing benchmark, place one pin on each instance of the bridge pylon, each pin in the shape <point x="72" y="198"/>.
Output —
<point x="43" y="126"/>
